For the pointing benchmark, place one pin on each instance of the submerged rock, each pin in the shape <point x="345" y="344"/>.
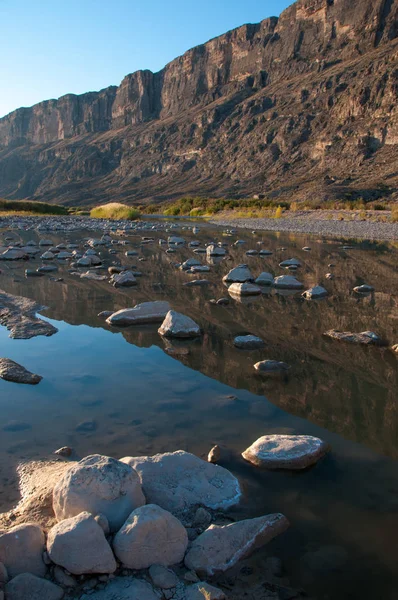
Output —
<point x="220" y="548"/>
<point x="146" y="312"/>
<point x="179" y="326"/>
<point x="248" y="342"/>
<point x="150" y="536"/>
<point x="79" y="545"/>
<point x="285" y="451"/>
<point x="272" y="367"/>
<point x="365" y="337"/>
<point x="197" y="282"/>
<point x="178" y="481"/>
<point x="98" y="484"/>
<point x="12" y="371"/>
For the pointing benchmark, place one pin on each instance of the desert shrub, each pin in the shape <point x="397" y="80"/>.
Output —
<point x="39" y="208"/>
<point x="115" y="210"/>
<point x="278" y="212"/>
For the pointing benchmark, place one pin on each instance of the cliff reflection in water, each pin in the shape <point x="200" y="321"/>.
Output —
<point x="349" y="390"/>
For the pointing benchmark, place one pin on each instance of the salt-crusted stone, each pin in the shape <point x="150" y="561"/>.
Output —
<point x="285" y="451"/>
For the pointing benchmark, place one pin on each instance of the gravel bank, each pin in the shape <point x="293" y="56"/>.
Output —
<point x="346" y="229"/>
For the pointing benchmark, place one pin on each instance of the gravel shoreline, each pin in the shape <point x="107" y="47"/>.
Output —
<point x="345" y="229"/>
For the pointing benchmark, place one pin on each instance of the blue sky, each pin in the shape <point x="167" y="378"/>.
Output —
<point x="51" y="47"/>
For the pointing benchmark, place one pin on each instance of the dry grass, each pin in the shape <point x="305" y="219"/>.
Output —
<point x="115" y="210"/>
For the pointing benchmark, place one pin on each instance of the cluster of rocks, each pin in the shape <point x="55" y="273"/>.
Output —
<point x="141" y="528"/>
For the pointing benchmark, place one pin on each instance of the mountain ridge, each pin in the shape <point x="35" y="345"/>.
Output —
<point x="261" y="93"/>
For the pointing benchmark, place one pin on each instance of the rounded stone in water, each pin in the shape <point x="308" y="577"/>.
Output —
<point x="285" y="451"/>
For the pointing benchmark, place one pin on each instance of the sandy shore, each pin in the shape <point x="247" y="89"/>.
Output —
<point x="317" y="222"/>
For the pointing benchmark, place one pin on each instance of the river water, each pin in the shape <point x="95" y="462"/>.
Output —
<point x="139" y="400"/>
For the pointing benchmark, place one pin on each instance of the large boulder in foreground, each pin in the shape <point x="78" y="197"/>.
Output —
<point x="99" y="485"/>
<point x="179" y="326"/>
<point x="220" y="548"/>
<point x="21" y="550"/>
<point x="285" y="451"/>
<point x="79" y="545"/>
<point x="150" y="536"/>
<point x="29" y="587"/>
<point x="12" y="371"/>
<point x="141" y="314"/>
<point x="178" y="481"/>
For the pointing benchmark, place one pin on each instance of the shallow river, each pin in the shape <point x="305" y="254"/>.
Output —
<point x="139" y="400"/>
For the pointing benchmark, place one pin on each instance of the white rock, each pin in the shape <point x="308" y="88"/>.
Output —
<point x="244" y="289"/>
<point x="239" y="274"/>
<point x="285" y="451"/>
<point x="147" y="312"/>
<point x="177" y="325"/>
<point x="98" y="484"/>
<point x="315" y="292"/>
<point x="220" y="548"/>
<point x="124" y="279"/>
<point x="21" y="550"/>
<point x="79" y="545"/>
<point x="150" y="536"/>
<point x="179" y="480"/>
<point x="265" y="279"/>
<point x="29" y="587"/>
<point x="287" y="282"/>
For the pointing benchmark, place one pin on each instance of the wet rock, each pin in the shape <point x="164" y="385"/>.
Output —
<point x="125" y="279"/>
<point x="179" y="326"/>
<point x="27" y="586"/>
<point x="146" y="312"/>
<point x="248" y="342"/>
<point x="315" y="292"/>
<point x="287" y="282"/>
<point x="21" y="550"/>
<point x="12" y="371"/>
<point x="220" y="548"/>
<point x="79" y="545"/>
<point x="271" y="367"/>
<point x="264" y="279"/>
<point x="177" y="481"/>
<point x="150" y="536"/>
<point x="364" y="289"/>
<point x="239" y="274"/>
<point x="98" y="484"/>
<point x="197" y="282"/>
<point x="365" y="337"/>
<point x="204" y="591"/>
<point x="244" y="289"/>
<point x="47" y="269"/>
<point x="33" y="273"/>
<point x="13" y="254"/>
<point x="104" y="314"/>
<point x="86" y="426"/>
<point x="285" y="451"/>
<point x="163" y="578"/>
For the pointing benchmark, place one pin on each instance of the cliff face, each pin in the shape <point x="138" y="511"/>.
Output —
<point x="312" y="94"/>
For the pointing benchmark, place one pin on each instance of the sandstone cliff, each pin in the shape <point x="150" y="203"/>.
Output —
<point x="298" y="105"/>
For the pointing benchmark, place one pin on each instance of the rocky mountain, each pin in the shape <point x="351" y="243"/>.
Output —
<point x="300" y="106"/>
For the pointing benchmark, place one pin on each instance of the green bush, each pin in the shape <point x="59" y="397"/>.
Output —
<point x="115" y="210"/>
<point x="40" y="208"/>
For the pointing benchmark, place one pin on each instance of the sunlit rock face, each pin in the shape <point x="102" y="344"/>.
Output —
<point x="311" y="93"/>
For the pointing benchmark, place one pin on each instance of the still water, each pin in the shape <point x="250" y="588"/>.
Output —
<point x="139" y="400"/>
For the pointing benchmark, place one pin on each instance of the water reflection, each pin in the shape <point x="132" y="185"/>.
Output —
<point x="142" y="399"/>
